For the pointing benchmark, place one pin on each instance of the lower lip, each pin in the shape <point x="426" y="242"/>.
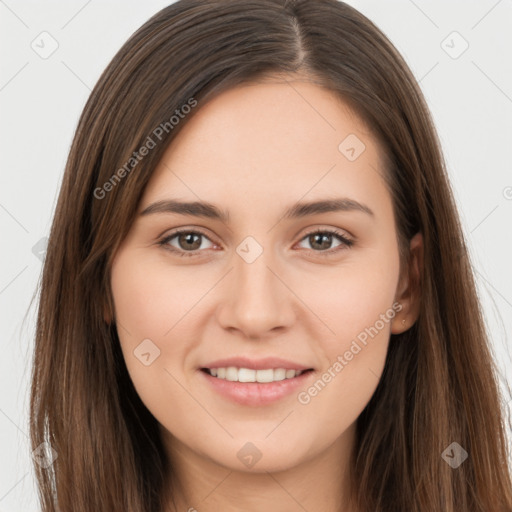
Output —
<point x="256" y="393"/>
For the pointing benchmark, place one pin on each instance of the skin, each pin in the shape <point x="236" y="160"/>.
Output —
<point x="255" y="150"/>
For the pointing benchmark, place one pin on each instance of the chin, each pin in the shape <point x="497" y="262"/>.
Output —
<point x="258" y="456"/>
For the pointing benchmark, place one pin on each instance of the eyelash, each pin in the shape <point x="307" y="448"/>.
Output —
<point x="346" y="242"/>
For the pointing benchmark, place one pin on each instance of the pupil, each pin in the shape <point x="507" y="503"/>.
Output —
<point x="188" y="238"/>
<point x="321" y="236"/>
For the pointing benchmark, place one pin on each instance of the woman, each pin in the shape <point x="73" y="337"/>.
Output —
<point x="259" y="369"/>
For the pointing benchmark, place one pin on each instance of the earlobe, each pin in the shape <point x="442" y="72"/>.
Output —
<point x="409" y="288"/>
<point x="107" y="316"/>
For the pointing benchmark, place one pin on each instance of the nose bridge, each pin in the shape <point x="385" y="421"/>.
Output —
<point x="254" y="282"/>
<point x="258" y="300"/>
<point x="252" y="276"/>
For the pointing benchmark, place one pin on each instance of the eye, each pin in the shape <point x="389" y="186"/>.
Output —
<point x="189" y="242"/>
<point x="321" y="238"/>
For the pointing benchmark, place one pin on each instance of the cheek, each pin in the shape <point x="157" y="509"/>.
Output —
<point x="153" y="302"/>
<point x="355" y="304"/>
<point x="148" y="304"/>
<point x="352" y="297"/>
<point x="150" y="300"/>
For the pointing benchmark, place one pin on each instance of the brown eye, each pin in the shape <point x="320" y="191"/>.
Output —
<point x="321" y="240"/>
<point x="188" y="242"/>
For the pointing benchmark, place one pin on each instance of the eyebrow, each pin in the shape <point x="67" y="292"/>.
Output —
<point x="298" y="210"/>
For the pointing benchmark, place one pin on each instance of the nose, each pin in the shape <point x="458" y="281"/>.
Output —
<point x="256" y="300"/>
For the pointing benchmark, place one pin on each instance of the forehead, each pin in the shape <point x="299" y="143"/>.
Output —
<point x="277" y="139"/>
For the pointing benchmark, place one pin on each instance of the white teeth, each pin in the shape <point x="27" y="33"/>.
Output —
<point x="290" y="374"/>
<point x="279" y="374"/>
<point x="231" y="373"/>
<point x="234" y="374"/>
<point x="266" y="375"/>
<point x="246" y="375"/>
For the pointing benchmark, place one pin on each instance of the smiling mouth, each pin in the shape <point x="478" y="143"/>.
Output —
<point x="247" y="375"/>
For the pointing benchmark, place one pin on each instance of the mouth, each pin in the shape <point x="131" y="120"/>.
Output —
<point x="256" y="388"/>
<point x="249" y="375"/>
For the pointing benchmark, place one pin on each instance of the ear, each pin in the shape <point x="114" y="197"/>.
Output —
<point x="107" y="312"/>
<point x="408" y="292"/>
<point x="106" y="316"/>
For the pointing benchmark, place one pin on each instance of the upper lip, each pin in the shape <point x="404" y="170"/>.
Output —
<point x="256" y="364"/>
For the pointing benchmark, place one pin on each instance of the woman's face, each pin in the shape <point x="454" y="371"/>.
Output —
<point x="258" y="284"/>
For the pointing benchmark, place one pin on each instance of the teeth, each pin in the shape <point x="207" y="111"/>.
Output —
<point x="234" y="374"/>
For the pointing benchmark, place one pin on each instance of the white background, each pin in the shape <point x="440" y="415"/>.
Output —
<point x="41" y="100"/>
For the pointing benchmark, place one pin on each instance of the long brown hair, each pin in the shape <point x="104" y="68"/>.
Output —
<point x="439" y="384"/>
